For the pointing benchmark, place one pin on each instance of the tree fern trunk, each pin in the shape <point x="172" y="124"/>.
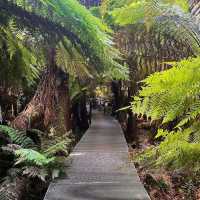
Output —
<point x="50" y="106"/>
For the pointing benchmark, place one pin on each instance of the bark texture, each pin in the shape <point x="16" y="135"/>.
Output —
<point x="50" y="106"/>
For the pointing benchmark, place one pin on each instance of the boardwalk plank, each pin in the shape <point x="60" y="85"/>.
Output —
<point x="99" y="168"/>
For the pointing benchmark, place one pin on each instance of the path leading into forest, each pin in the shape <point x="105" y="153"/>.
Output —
<point x="99" y="168"/>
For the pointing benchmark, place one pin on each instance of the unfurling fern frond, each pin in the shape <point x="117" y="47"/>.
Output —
<point x="17" y="137"/>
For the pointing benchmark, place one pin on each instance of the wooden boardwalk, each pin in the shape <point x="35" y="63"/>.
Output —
<point x="99" y="167"/>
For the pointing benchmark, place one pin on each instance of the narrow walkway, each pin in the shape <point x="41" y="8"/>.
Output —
<point x="99" y="167"/>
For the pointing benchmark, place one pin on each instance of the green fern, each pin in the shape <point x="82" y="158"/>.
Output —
<point x="175" y="152"/>
<point x="61" y="146"/>
<point x="88" y="35"/>
<point x="32" y="157"/>
<point x="147" y="10"/>
<point x="18" y="61"/>
<point x="173" y="95"/>
<point x="17" y="137"/>
<point x="71" y="61"/>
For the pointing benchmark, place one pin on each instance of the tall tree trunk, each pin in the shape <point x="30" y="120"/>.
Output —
<point x="83" y="113"/>
<point x="131" y="131"/>
<point x="116" y="104"/>
<point x="50" y="106"/>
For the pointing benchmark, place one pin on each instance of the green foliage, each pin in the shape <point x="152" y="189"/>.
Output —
<point x="90" y="43"/>
<point x="17" y="137"/>
<point x="57" y="148"/>
<point x="45" y="162"/>
<point x="176" y="151"/>
<point x="76" y="90"/>
<point x="147" y="10"/>
<point x="173" y="95"/>
<point x="19" y="64"/>
<point x="171" y="18"/>
<point x="32" y="157"/>
<point x="71" y="61"/>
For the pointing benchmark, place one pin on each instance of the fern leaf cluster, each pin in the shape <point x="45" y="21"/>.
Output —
<point x="58" y="147"/>
<point x="18" y="61"/>
<point x="173" y="95"/>
<point x="171" y="17"/>
<point x="43" y="162"/>
<point x="147" y="10"/>
<point x="32" y="157"/>
<point x="176" y="151"/>
<point x="16" y="137"/>
<point x="76" y="27"/>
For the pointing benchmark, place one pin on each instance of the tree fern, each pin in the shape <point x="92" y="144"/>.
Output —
<point x="86" y="32"/>
<point x="171" y="16"/>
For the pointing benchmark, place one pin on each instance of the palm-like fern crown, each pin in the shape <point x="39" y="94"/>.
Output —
<point x="81" y="38"/>
<point x="174" y="15"/>
<point x="154" y="32"/>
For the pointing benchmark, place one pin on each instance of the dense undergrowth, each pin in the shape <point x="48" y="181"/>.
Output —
<point x="173" y="96"/>
<point x="34" y="156"/>
<point x="169" y="165"/>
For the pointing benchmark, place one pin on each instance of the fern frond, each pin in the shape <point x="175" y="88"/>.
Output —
<point x="57" y="148"/>
<point x="87" y="33"/>
<point x="31" y="157"/>
<point x="17" y="137"/>
<point x="171" y="94"/>
<point x="147" y="10"/>
<point x="70" y="60"/>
